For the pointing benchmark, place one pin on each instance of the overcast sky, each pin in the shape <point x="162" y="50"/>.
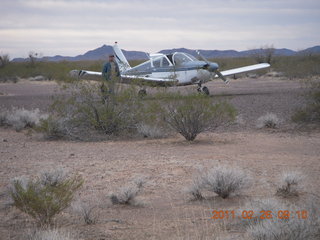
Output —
<point x="72" y="27"/>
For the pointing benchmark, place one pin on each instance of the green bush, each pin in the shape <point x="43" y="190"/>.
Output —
<point x="42" y="200"/>
<point x="84" y="112"/>
<point x="300" y="66"/>
<point x="192" y="114"/>
<point x="311" y="112"/>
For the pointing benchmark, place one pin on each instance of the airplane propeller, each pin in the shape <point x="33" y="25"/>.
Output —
<point x="212" y="67"/>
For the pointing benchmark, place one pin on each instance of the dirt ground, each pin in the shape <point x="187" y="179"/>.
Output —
<point x="164" y="210"/>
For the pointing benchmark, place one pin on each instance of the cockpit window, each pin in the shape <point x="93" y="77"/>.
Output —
<point x="143" y="67"/>
<point x="180" y="58"/>
<point x="192" y="57"/>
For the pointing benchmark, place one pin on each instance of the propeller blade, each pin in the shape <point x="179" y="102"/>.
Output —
<point x="203" y="58"/>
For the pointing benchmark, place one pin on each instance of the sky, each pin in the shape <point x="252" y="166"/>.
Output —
<point x="72" y="27"/>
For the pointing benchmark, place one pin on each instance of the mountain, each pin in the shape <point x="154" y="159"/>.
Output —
<point x="312" y="50"/>
<point x="102" y="53"/>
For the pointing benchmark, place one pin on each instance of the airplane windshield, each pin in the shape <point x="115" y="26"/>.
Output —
<point x="180" y="58"/>
<point x="146" y="66"/>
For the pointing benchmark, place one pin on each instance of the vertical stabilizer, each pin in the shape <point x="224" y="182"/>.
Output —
<point x="121" y="59"/>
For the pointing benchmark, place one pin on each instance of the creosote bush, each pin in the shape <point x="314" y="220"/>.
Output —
<point x="192" y="114"/>
<point x="44" y="197"/>
<point x="311" y="112"/>
<point x="269" y="120"/>
<point x="4" y="60"/>
<point x="289" y="184"/>
<point x="84" y="112"/>
<point x="222" y="180"/>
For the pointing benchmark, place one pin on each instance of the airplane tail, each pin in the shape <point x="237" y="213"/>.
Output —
<point x="121" y="59"/>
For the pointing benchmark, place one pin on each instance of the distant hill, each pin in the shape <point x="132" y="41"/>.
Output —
<point x="102" y="53"/>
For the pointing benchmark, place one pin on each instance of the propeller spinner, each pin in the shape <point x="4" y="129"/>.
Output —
<point x="212" y="67"/>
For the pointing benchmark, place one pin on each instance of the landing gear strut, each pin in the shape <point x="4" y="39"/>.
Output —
<point x="203" y="89"/>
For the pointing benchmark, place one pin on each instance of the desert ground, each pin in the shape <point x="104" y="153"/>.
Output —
<point x="164" y="210"/>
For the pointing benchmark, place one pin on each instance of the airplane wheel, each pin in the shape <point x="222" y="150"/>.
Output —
<point x="142" y="92"/>
<point x="205" y="90"/>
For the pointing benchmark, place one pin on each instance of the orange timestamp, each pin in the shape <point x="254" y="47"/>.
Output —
<point x="250" y="214"/>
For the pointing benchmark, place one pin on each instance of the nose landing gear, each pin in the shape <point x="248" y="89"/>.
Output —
<point x="203" y="89"/>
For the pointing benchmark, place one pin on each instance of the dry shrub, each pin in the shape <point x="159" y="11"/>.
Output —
<point x="87" y="210"/>
<point x="269" y="120"/>
<point x="51" y="234"/>
<point x="222" y="180"/>
<point x="3" y="117"/>
<point x="292" y="228"/>
<point x="127" y="195"/>
<point x="53" y="177"/>
<point x="295" y="226"/>
<point x="289" y="184"/>
<point x="21" y="118"/>
<point x="260" y="208"/>
<point x="151" y="131"/>
<point x="44" y="197"/>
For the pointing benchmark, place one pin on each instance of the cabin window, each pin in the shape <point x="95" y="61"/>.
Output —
<point x="160" y="62"/>
<point x="157" y="62"/>
<point x="165" y="63"/>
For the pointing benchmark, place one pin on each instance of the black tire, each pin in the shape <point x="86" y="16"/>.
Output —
<point x="142" y="92"/>
<point x="205" y="90"/>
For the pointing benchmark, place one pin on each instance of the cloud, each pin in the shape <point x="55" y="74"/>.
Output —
<point x="74" y="26"/>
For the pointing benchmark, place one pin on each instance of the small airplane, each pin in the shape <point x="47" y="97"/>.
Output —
<point x="176" y="69"/>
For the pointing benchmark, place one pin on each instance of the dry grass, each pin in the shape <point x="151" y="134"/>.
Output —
<point x="20" y="118"/>
<point x="269" y="120"/>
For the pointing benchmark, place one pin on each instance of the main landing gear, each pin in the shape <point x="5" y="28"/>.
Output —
<point x="203" y="89"/>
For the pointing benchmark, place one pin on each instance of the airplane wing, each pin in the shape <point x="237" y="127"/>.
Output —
<point x="91" y="75"/>
<point x="84" y="74"/>
<point x="149" y="79"/>
<point x="244" y="69"/>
